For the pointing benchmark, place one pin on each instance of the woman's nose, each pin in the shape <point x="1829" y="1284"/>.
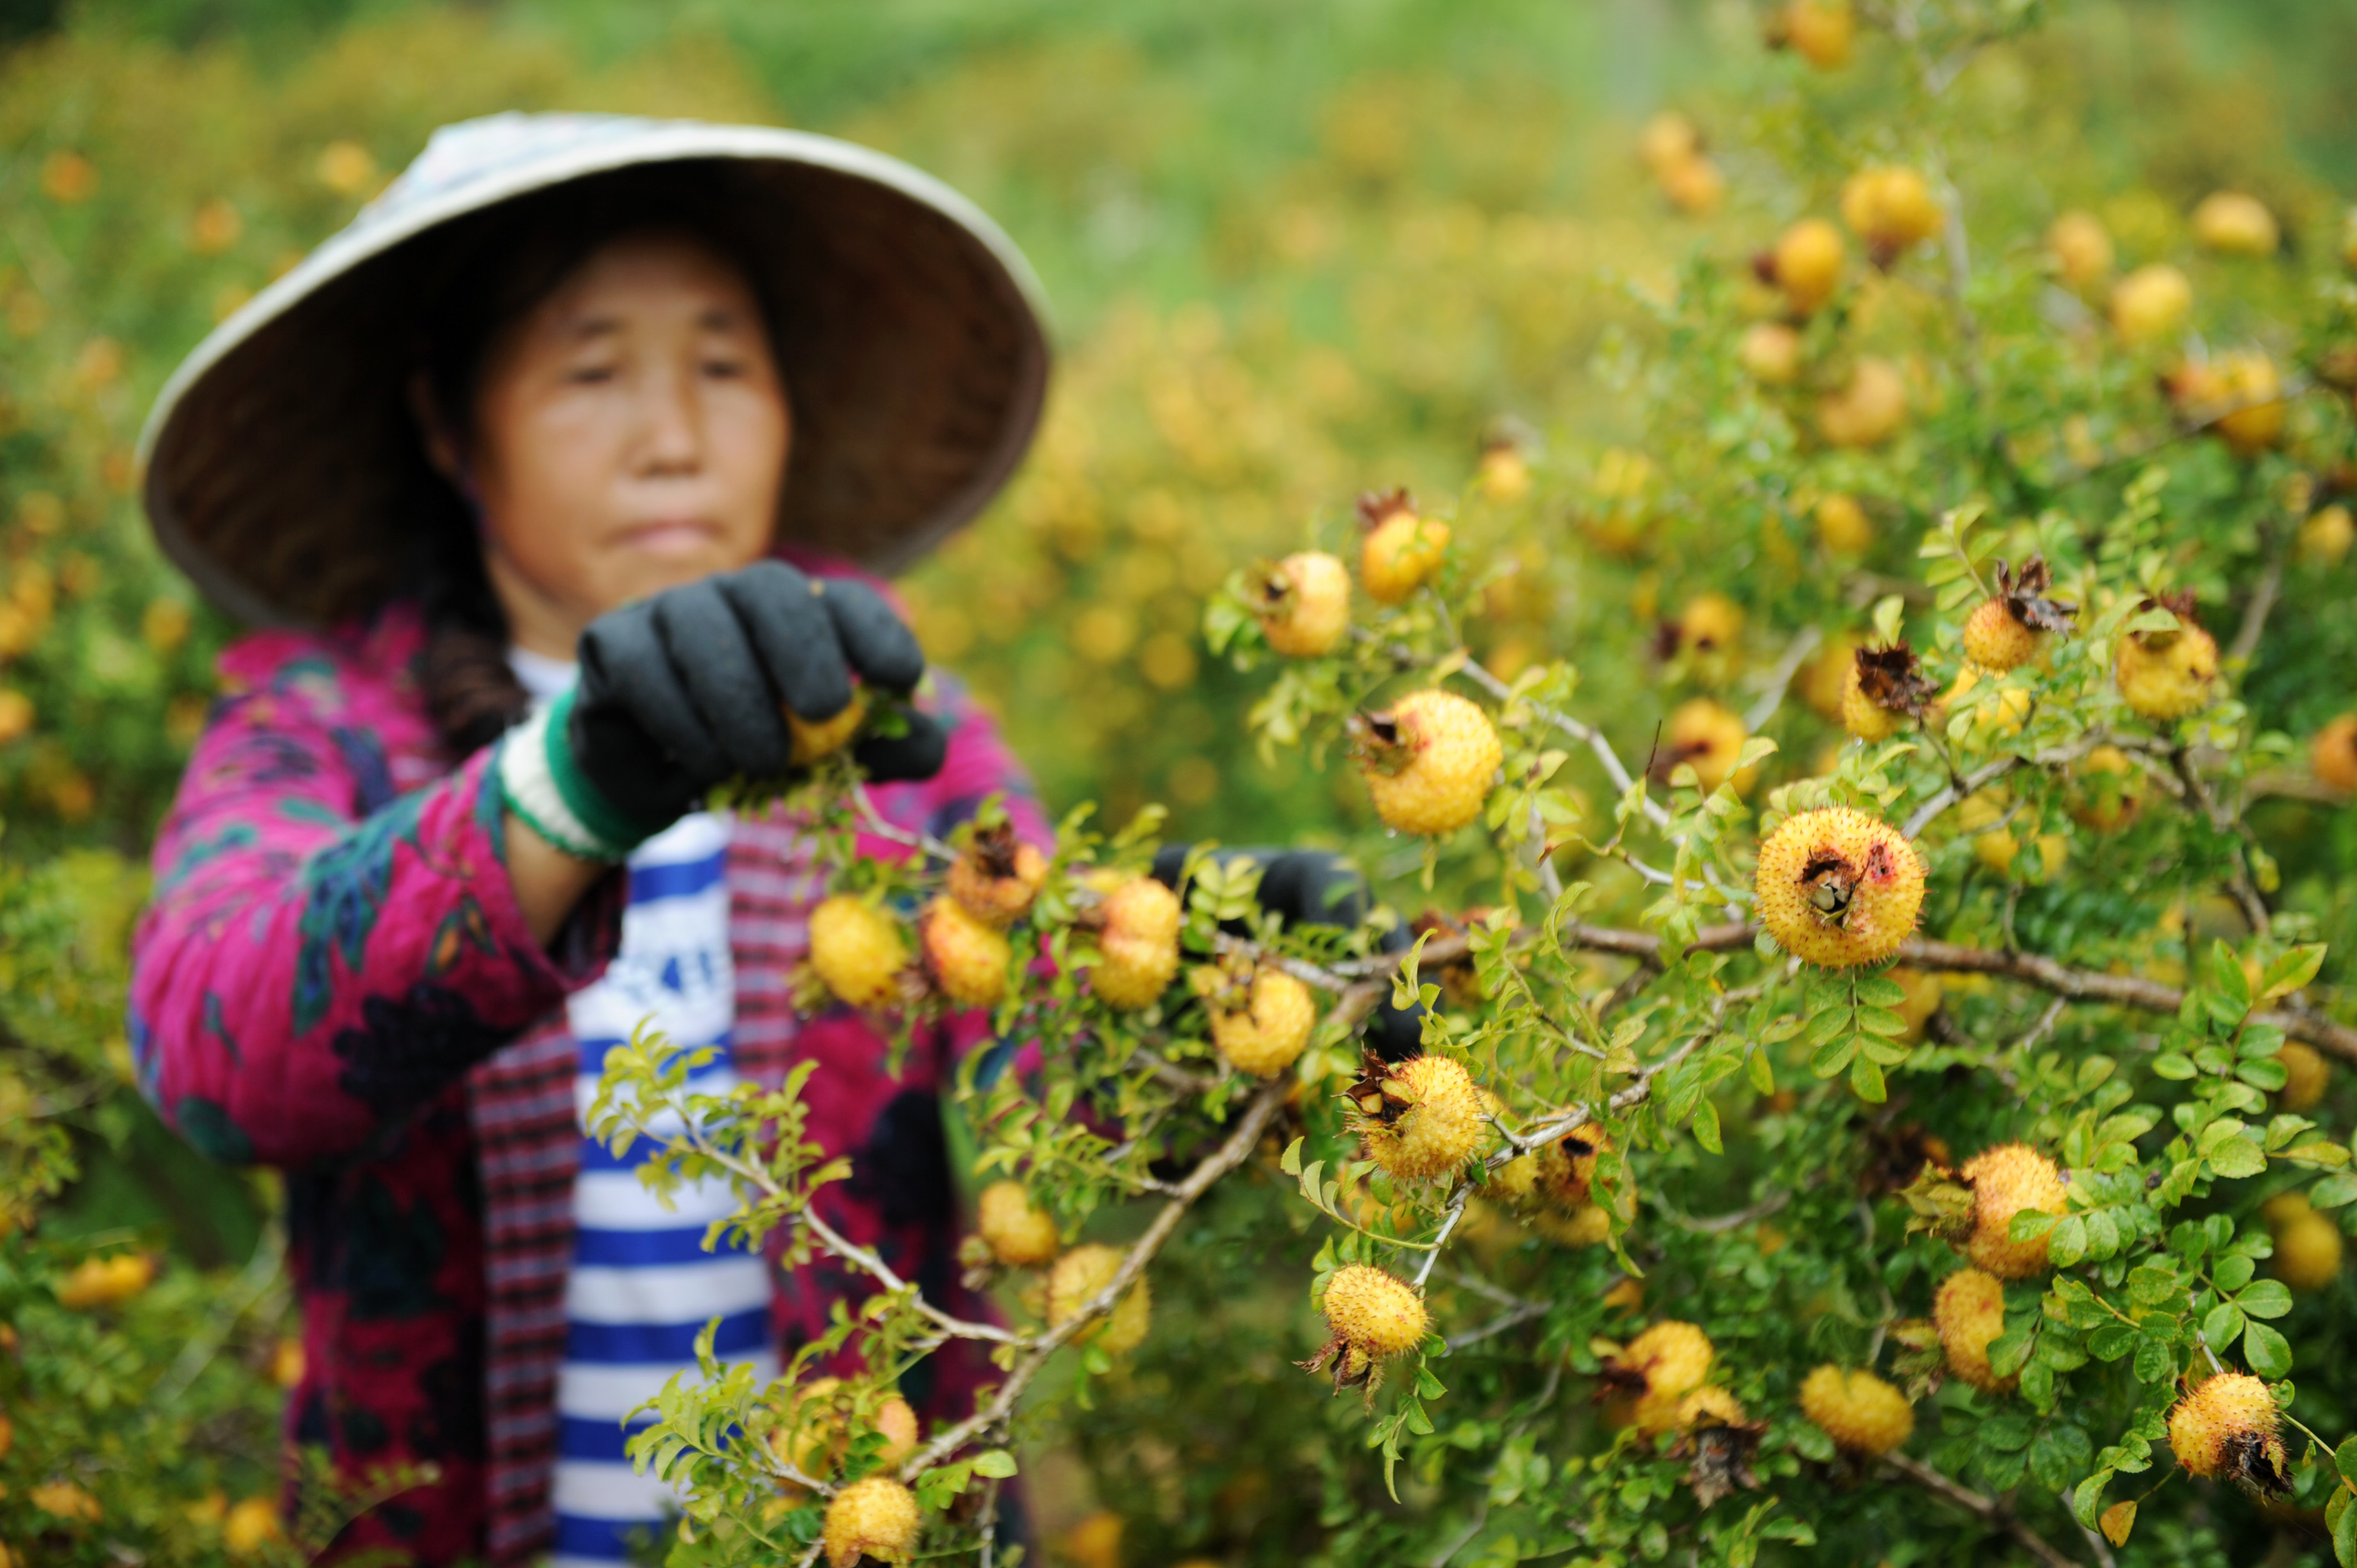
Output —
<point x="671" y="435"/>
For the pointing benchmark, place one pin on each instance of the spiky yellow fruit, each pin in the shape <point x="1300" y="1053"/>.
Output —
<point x="2332" y="753"/>
<point x="1400" y="554"/>
<point x="1861" y="715"/>
<point x="1075" y="1281"/>
<point x="2150" y="302"/>
<point x="817" y="1434"/>
<point x="856" y="949"/>
<point x="1017" y="1234"/>
<point x="875" y="1518"/>
<point x="1843" y="526"/>
<point x="1428" y="762"/>
<point x="2307" y="1076"/>
<point x="1708" y="737"/>
<point x="2308" y="1253"/>
<point x="813" y="739"/>
<point x="1822" y="32"/>
<point x="1890" y="209"/>
<point x="1770" y="353"/>
<point x="2165" y="675"/>
<point x="106" y="1282"/>
<point x="65" y="1500"/>
<point x="1969" y="1311"/>
<point x="968" y="959"/>
<point x="1304" y="603"/>
<point x="1422" y="1117"/>
<point x="1839" y="887"/>
<point x="1993" y="844"/>
<point x="2238" y="394"/>
<point x="1806" y="263"/>
<point x="1262" y="1026"/>
<point x="1587" y="1226"/>
<point x="2109" y="791"/>
<point x="1376" y="1315"/>
<point x="2235" y="224"/>
<point x="1858" y="1410"/>
<point x="2081" y="248"/>
<point x="997" y="876"/>
<point x="1710" y="622"/>
<point x="2006" y="1180"/>
<point x="1139" y="944"/>
<point x="1670" y="1358"/>
<point x="1868" y="409"/>
<point x="1710" y="1406"/>
<point x="251" y="1524"/>
<point x="1694" y="185"/>
<point x="1996" y="639"/>
<point x="2229" y="1427"/>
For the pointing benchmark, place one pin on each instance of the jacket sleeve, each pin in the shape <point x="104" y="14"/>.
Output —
<point x="311" y="971"/>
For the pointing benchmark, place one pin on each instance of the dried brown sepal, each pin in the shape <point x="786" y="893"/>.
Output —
<point x="1353" y="1368"/>
<point x="998" y="875"/>
<point x="2024" y="594"/>
<point x="1372" y="1100"/>
<point x="1721" y="1456"/>
<point x="2251" y="1460"/>
<point x="1920" y="1362"/>
<point x="1939" y="1202"/>
<point x="2179" y="602"/>
<point x="1375" y="742"/>
<point x="1896" y="1156"/>
<point x="1376" y="505"/>
<point x="1893" y="679"/>
<point x="1272" y="589"/>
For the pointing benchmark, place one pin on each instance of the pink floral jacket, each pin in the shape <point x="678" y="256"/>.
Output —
<point x="335" y="980"/>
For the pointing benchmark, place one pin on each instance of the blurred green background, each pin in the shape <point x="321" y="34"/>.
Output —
<point x="1296" y="252"/>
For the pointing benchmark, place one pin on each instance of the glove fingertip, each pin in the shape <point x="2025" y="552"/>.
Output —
<point x="900" y="758"/>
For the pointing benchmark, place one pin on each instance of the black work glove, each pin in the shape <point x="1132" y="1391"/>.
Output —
<point x="688" y="689"/>
<point x="1312" y="887"/>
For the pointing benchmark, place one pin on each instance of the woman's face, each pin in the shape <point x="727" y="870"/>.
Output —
<point x="631" y="434"/>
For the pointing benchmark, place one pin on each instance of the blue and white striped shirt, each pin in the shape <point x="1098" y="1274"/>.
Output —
<point x="642" y="1285"/>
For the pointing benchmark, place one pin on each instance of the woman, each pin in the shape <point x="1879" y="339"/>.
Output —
<point x="650" y="396"/>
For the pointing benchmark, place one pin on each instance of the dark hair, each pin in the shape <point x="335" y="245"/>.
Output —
<point x="490" y="272"/>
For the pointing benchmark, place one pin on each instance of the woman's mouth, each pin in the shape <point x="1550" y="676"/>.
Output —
<point x="670" y="537"/>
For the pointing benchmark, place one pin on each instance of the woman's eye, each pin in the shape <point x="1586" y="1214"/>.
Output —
<point x="589" y="375"/>
<point x="723" y="368"/>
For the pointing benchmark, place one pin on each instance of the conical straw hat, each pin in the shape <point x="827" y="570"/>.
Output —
<point x="282" y="458"/>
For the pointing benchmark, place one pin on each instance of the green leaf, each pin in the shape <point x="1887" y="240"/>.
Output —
<point x="2155" y="1361"/>
<point x="995" y="1463"/>
<point x="2008" y="1432"/>
<point x="2089" y="1493"/>
<point x="2268" y="1352"/>
<point x="1706" y="1126"/>
<point x="2291" y="970"/>
<point x="2344" y="1539"/>
<point x="2174" y="1064"/>
<point x="2232" y="1273"/>
<point x="2226" y="974"/>
<point x="2028" y="1225"/>
<point x="1291" y="1163"/>
<point x="2238" y="1158"/>
<point x="2069" y="1243"/>
<point x="2345" y="1459"/>
<point x="1866" y="1080"/>
<point x="2221" y="1322"/>
<point x="2008" y="1350"/>
<point x="1827" y="1060"/>
<point x="2333" y="1192"/>
<point x="2265" y="1298"/>
<point x="2111" y="1341"/>
<point x="1761" y="1071"/>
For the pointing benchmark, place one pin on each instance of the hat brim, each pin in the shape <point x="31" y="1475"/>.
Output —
<point x="280" y="457"/>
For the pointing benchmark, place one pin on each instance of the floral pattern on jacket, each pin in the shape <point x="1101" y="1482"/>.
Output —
<point x="334" y="946"/>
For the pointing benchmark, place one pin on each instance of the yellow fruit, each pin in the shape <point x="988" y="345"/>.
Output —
<point x="1670" y="1358"/>
<point x="106" y="1282"/>
<point x="875" y="1518"/>
<point x="16" y="715"/>
<point x="2228" y="1427"/>
<point x="2333" y="753"/>
<point x="1305" y="604"/>
<point x="817" y="1436"/>
<point x="1806" y="263"/>
<point x="1668" y="139"/>
<point x="968" y="959"/>
<point x="1839" y="887"/>
<point x="1820" y="31"/>
<point x="856" y="949"/>
<point x="286" y="1363"/>
<point x="2245" y="383"/>
<point x="249" y="1525"/>
<point x="1706" y="736"/>
<point x="1710" y="1406"/>
<point x="1969" y="1310"/>
<point x="1709" y="622"/>
<point x="1017" y="1234"/>
<point x="2165" y="675"/>
<point x="2235" y="224"/>
<point x="1075" y="1281"/>
<point x="1890" y="209"/>
<point x="1869" y="411"/>
<point x="1843" y="526"/>
<point x="209" y="1510"/>
<point x="1770" y="353"/>
<point x="2150" y="302"/>
<point x="1994" y="846"/>
<point x="1140" y="944"/>
<point x="1094" y="1541"/>
<point x="1503" y="475"/>
<point x="65" y="1500"/>
<point x="2308" y="1254"/>
<point x="1587" y="1226"/>
<point x="1400" y="553"/>
<point x="1826" y="676"/>
<point x="813" y="739"/>
<point x="1262" y="1026"/>
<point x="997" y="876"/>
<point x="2326" y="534"/>
<point x="1375" y="1313"/>
<point x="1422" y="1117"/>
<point x="1996" y="639"/>
<point x="2006" y="1180"/>
<point x="2110" y="791"/>
<point x="2307" y="1076"/>
<point x="1695" y="186"/>
<point x="2081" y="249"/>
<point x="1858" y="1410"/>
<point x="1428" y="762"/>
